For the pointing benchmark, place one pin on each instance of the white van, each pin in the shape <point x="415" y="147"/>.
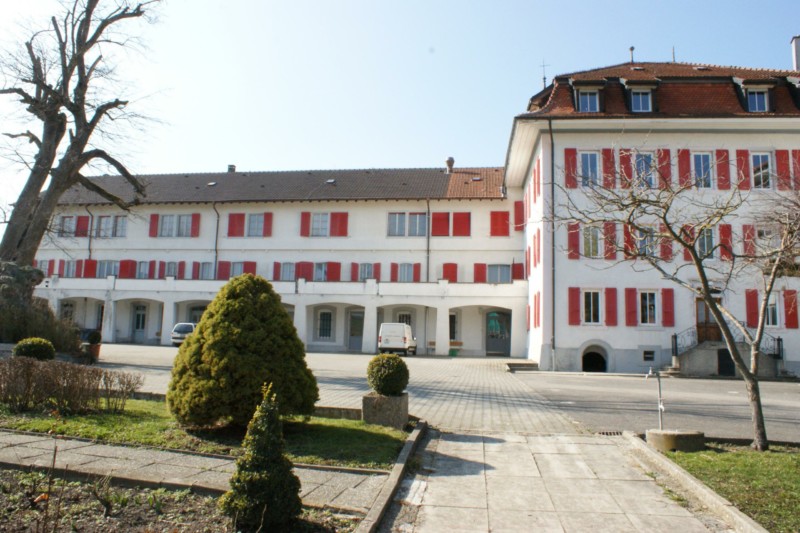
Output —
<point x="396" y="337"/>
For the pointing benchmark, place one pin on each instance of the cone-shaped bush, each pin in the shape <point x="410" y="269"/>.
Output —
<point x="265" y="494"/>
<point x="244" y="339"/>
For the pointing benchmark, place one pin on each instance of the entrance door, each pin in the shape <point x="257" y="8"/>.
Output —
<point x="356" y="330"/>
<point x="725" y="366"/>
<point x="707" y="328"/>
<point x="195" y="313"/>
<point x="139" y="323"/>
<point x="498" y="333"/>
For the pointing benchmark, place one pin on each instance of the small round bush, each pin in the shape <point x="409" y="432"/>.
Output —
<point x="94" y="337"/>
<point x="387" y="374"/>
<point x="41" y="349"/>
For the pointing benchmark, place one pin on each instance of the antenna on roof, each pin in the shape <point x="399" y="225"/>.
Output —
<point x="631" y="49"/>
<point x="673" y="54"/>
<point x="544" y="78"/>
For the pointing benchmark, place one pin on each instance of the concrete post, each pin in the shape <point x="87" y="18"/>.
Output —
<point x="167" y="322"/>
<point x="109" y="320"/>
<point x="519" y="332"/>
<point x="442" y="330"/>
<point x="369" y="342"/>
<point x="301" y="322"/>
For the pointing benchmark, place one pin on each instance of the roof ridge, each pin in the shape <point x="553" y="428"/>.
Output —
<point x="302" y="171"/>
<point x="682" y="63"/>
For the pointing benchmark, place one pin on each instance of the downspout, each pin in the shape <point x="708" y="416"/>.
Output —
<point x="552" y="247"/>
<point x="89" y="233"/>
<point x="428" y="242"/>
<point x="216" y="239"/>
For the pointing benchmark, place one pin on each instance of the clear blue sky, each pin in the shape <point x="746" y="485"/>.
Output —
<point x="298" y="84"/>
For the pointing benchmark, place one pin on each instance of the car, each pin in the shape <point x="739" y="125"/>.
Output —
<point x="396" y="337"/>
<point x="181" y="331"/>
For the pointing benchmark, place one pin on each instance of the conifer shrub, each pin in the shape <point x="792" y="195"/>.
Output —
<point x="244" y="339"/>
<point x="265" y="493"/>
<point x="35" y="347"/>
<point x="387" y="374"/>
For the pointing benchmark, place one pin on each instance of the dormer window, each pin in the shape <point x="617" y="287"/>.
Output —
<point x="588" y="101"/>
<point x="757" y="100"/>
<point x="641" y="101"/>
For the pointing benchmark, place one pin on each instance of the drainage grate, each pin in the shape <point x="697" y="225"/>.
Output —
<point x="609" y="433"/>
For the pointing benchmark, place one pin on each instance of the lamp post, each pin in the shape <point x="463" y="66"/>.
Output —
<point x="657" y="374"/>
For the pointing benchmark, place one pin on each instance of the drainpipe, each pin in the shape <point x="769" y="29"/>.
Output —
<point x="552" y="247"/>
<point x="216" y="239"/>
<point x="89" y="234"/>
<point x="428" y="242"/>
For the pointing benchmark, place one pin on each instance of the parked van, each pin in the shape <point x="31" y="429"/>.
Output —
<point x="396" y="337"/>
<point x="181" y="331"/>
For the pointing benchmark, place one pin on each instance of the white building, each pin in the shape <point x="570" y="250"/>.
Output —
<point x="469" y="257"/>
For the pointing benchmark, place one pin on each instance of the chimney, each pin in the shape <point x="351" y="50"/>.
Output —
<point x="796" y="52"/>
<point x="450" y="162"/>
<point x="231" y="168"/>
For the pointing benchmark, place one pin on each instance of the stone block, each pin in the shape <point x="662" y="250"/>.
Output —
<point x="671" y="440"/>
<point x="391" y="411"/>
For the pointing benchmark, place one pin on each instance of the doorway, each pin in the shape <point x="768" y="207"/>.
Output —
<point x="594" y="362"/>
<point x="725" y="366"/>
<point x="498" y="333"/>
<point x="707" y="328"/>
<point x="139" y="323"/>
<point x="356" y="335"/>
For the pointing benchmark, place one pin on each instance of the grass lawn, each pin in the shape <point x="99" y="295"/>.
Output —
<point x="763" y="485"/>
<point x="322" y="441"/>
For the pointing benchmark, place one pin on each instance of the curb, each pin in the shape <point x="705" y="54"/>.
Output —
<point x="722" y="507"/>
<point x="372" y="520"/>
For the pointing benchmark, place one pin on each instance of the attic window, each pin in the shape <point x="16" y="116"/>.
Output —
<point x="476" y="178"/>
<point x="588" y="101"/>
<point x="757" y="100"/>
<point x="641" y="101"/>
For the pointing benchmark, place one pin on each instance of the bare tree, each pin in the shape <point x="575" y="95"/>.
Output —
<point x="669" y="227"/>
<point x="60" y="78"/>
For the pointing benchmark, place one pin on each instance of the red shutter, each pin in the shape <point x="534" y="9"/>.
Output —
<point x="684" y="168"/>
<point x="334" y="271"/>
<point x="417" y="272"/>
<point x="573" y="240"/>
<point x="790" y="308"/>
<point x="631" y="307"/>
<point x="195" y="224"/>
<point x="751" y="307"/>
<point x="305" y="224"/>
<point x="304" y="270"/>
<point x="61" y="268"/>
<point x="440" y="224"/>
<point x="90" y="268"/>
<point x="664" y="168"/>
<point x="394" y="272"/>
<point x="339" y="224"/>
<point x="162" y="269"/>
<point x="127" y="269"/>
<point x="499" y="224"/>
<point x="223" y="270"/>
<point x="154" y="225"/>
<point x="574" y="306"/>
<point x="462" y="223"/>
<point x="610" y="240"/>
<point x="195" y="270"/>
<point x="236" y="225"/>
<point x="625" y="168"/>
<point x="723" y="170"/>
<point x="152" y="270"/>
<point x="354" y="268"/>
<point x="609" y="168"/>
<point x="82" y="226"/>
<point x="182" y="270"/>
<point x="725" y="242"/>
<point x="743" y="169"/>
<point x="570" y="168"/>
<point x="450" y="272"/>
<point x="666" y="244"/>
<point x="276" y="271"/>
<point x="782" y="168"/>
<point x="267" y="229"/>
<point x="749" y="238"/>
<point x="519" y="216"/>
<point x="688" y="235"/>
<point x="517" y="271"/>
<point x="611" y="306"/>
<point x="528" y="259"/>
<point x="249" y="267"/>
<point x="796" y="167"/>
<point x="376" y="271"/>
<point x="630" y="243"/>
<point x="79" y="268"/>
<point x="668" y="308"/>
<point x="51" y="265"/>
<point x="479" y="273"/>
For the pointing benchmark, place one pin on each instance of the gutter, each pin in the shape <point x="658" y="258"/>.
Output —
<point x="428" y="242"/>
<point x="552" y="247"/>
<point x="89" y="232"/>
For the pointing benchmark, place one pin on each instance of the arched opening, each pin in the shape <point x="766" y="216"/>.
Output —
<point x="594" y="362"/>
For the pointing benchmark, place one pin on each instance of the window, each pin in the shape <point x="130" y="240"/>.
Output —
<point x="705" y="242"/>
<point x="320" y="271"/>
<point x="588" y="170"/>
<point x="771" y="319"/>
<point x="325" y="325"/>
<point x="67" y="311"/>
<point x="255" y="225"/>
<point x="498" y="273"/>
<point x="417" y="224"/>
<point x="107" y="268"/>
<point x="120" y="226"/>
<point x="641" y="101"/>
<point x="761" y="171"/>
<point x="757" y="100"/>
<point x="588" y="101"/>
<point x="66" y="226"/>
<point x="166" y="226"/>
<point x="365" y="271"/>
<point x="70" y="268"/>
<point x="319" y="224"/>
<point x="591" y="307"/>
<point x="767" y="239"/>
<point x="453" y="324"/>
<point x="647" y="307"/>
<point x="175" y="226"/>
<point x="702" y="170"/>
<point x="405" y="272"/>
<point x="237" y="269"/>
<point x="207" y="270"/>
<point x="591" y="241"/>
<point x="404" y="317"/>
<point x="171" y="269"/>
<point x="644" y="169"/>
<point x="649" y="355"/>
<point x="646" y="242"/>
<point x="184" y="226"/>
<point x="108" y="226"/>
<point x="397" y="225"/>
<point x="142" y="270"/>
<point x="287" y="271"/>
<point x="44" y="266"/>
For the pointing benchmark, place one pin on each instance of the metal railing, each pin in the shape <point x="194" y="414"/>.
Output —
<point x="687" y="339"/>
<point x="684" y="341"/>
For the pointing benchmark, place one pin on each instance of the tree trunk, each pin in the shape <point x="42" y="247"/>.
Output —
<point x="760" y="441"/>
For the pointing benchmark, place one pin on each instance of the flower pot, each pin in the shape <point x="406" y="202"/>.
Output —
<point x="94" y="353"/>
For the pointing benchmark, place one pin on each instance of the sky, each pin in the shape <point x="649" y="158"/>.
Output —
<point x="338" y="84"/>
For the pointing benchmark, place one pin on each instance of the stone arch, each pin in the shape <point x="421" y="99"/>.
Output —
<point x="594" y="359"/>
